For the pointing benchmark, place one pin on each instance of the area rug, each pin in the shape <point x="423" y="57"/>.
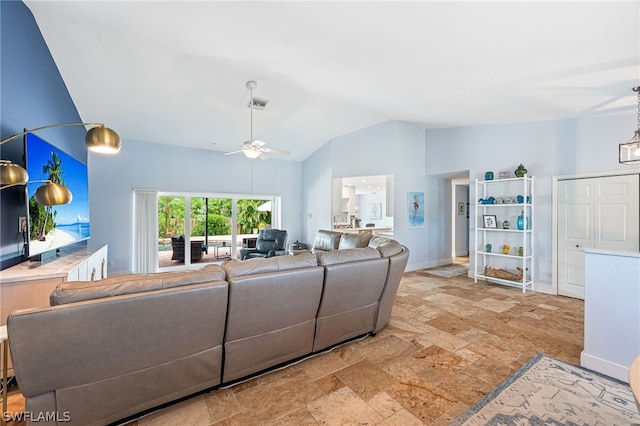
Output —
<point x="449" y="271"/>
<point x="547" y="391"/>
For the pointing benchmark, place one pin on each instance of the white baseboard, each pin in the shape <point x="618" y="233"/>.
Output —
<point x="427" y="264"/>
<point x="605" y="367"/>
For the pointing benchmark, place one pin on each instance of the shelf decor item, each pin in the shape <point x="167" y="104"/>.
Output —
<point x="520" y="171"/>
<point x="490" y="221"/>
<point x="488" y="176"/>
<point x="523" y="222"/>
<point x="492" y="271"/>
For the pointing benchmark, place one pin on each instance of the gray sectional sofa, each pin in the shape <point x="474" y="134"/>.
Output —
<point x="110" y="349"/>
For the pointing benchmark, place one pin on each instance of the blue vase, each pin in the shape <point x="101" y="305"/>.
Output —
<point x="523" y="222"/>
<point x="488" y="176"/>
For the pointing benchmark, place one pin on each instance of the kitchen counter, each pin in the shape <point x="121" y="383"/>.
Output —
<point x="611" y="315"/>
<point x="374" y="231"/>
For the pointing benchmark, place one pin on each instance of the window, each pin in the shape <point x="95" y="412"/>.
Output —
<point x="209" y="228"/>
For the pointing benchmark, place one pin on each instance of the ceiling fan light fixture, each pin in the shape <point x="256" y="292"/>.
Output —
<point x="251" y="153"/>
<point x="629" y="152"/>
<point x="254" y="148"/>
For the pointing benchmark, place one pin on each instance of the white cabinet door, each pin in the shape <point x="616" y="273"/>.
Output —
<point x="97" y="265"/>
<point x="598" y="213"/>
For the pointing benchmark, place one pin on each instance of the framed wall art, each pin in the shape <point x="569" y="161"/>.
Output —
<point x="415" y="208"/>
<point x="375" y="210"/>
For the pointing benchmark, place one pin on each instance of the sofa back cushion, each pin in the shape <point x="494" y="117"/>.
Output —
<point x="326" y="240"/>
<point x="349" y="240"/>
<point x="386" y="246"/>
<point x="236" y="268"/>
<point x="76" y="291"/>
<point x="347" y="255"/>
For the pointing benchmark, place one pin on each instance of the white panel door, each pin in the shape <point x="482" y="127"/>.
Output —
<point x="598" y="213"/>
<point x="575" y="232"/>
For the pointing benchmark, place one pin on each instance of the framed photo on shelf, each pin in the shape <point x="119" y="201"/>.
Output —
<point x="489" y="221"/>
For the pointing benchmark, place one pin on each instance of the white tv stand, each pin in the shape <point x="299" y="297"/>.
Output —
<point x="29" y="284"/>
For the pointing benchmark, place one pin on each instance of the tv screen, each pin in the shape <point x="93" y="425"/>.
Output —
<point x="53" y="227"/>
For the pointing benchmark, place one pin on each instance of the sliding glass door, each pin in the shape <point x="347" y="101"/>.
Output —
<point x="209" y="228"/>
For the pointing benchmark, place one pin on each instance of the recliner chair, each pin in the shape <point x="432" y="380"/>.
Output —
<point x="271" y="242"/>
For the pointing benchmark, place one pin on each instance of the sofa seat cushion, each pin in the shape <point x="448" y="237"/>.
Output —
<point x="349" y="240"/>
<point x="385" y="246"/>
<point x="236" y="268"/>
<point x="77" y="291"/>
<point x="347" y="255"/>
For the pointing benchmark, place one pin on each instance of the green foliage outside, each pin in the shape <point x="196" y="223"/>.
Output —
<point x="250" y="218"/>
<point x="171" y="216"/>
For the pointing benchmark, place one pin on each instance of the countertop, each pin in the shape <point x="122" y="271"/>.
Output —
<point x="59" y="266"/>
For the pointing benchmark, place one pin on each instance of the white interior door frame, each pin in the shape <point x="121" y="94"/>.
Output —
<point x="454" y="213"/>
<point x="554" y="213"/>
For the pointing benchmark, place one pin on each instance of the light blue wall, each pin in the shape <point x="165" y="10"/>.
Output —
<point x="547" y="149"/>
<point x="390" y="148"/>
<point x="144" y="165"/>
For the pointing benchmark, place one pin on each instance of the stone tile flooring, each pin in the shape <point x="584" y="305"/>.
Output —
<point x="449" y="342"/>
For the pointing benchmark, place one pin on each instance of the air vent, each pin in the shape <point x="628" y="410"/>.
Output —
<point x="258" y="104"/>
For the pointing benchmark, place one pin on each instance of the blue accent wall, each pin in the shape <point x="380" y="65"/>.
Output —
<point x="32" y="94"/>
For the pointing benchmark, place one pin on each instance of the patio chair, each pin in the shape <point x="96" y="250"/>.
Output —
<point x="270" y="242"/>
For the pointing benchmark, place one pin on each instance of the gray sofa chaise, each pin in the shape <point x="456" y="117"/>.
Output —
<point x="109" y="349"/>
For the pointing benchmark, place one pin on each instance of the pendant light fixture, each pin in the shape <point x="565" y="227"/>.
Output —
<point x="629" y="151"/>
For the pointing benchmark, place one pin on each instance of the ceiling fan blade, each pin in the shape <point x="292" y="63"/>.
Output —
<point x="257" y="143"/>
<point x="232" y="152"/>
<point x="263" y="156"/>
<point x="276" y="151"/>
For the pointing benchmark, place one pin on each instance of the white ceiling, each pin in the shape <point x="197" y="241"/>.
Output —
<point x="174" y="72"/>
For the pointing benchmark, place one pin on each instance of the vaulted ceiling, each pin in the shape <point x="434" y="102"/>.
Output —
<point x="174" y="72"/>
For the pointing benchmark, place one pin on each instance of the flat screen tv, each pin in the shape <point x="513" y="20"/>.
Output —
<point x="53" y="227"/>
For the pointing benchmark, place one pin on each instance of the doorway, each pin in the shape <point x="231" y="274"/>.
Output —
<point x="460" y="220"/>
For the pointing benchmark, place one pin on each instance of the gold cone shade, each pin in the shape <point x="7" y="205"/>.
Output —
<point x="103" y="140"/>
<point x="53" y="194"/>
<point x="12" y="174"/>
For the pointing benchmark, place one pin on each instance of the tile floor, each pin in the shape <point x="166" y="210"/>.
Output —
<point x="449" y="342"/>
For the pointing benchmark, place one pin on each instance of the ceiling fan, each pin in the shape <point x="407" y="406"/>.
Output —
<point x="254" y="148"/>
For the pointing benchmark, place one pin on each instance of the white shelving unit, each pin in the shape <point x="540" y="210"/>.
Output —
<point x="520" y="242"/>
